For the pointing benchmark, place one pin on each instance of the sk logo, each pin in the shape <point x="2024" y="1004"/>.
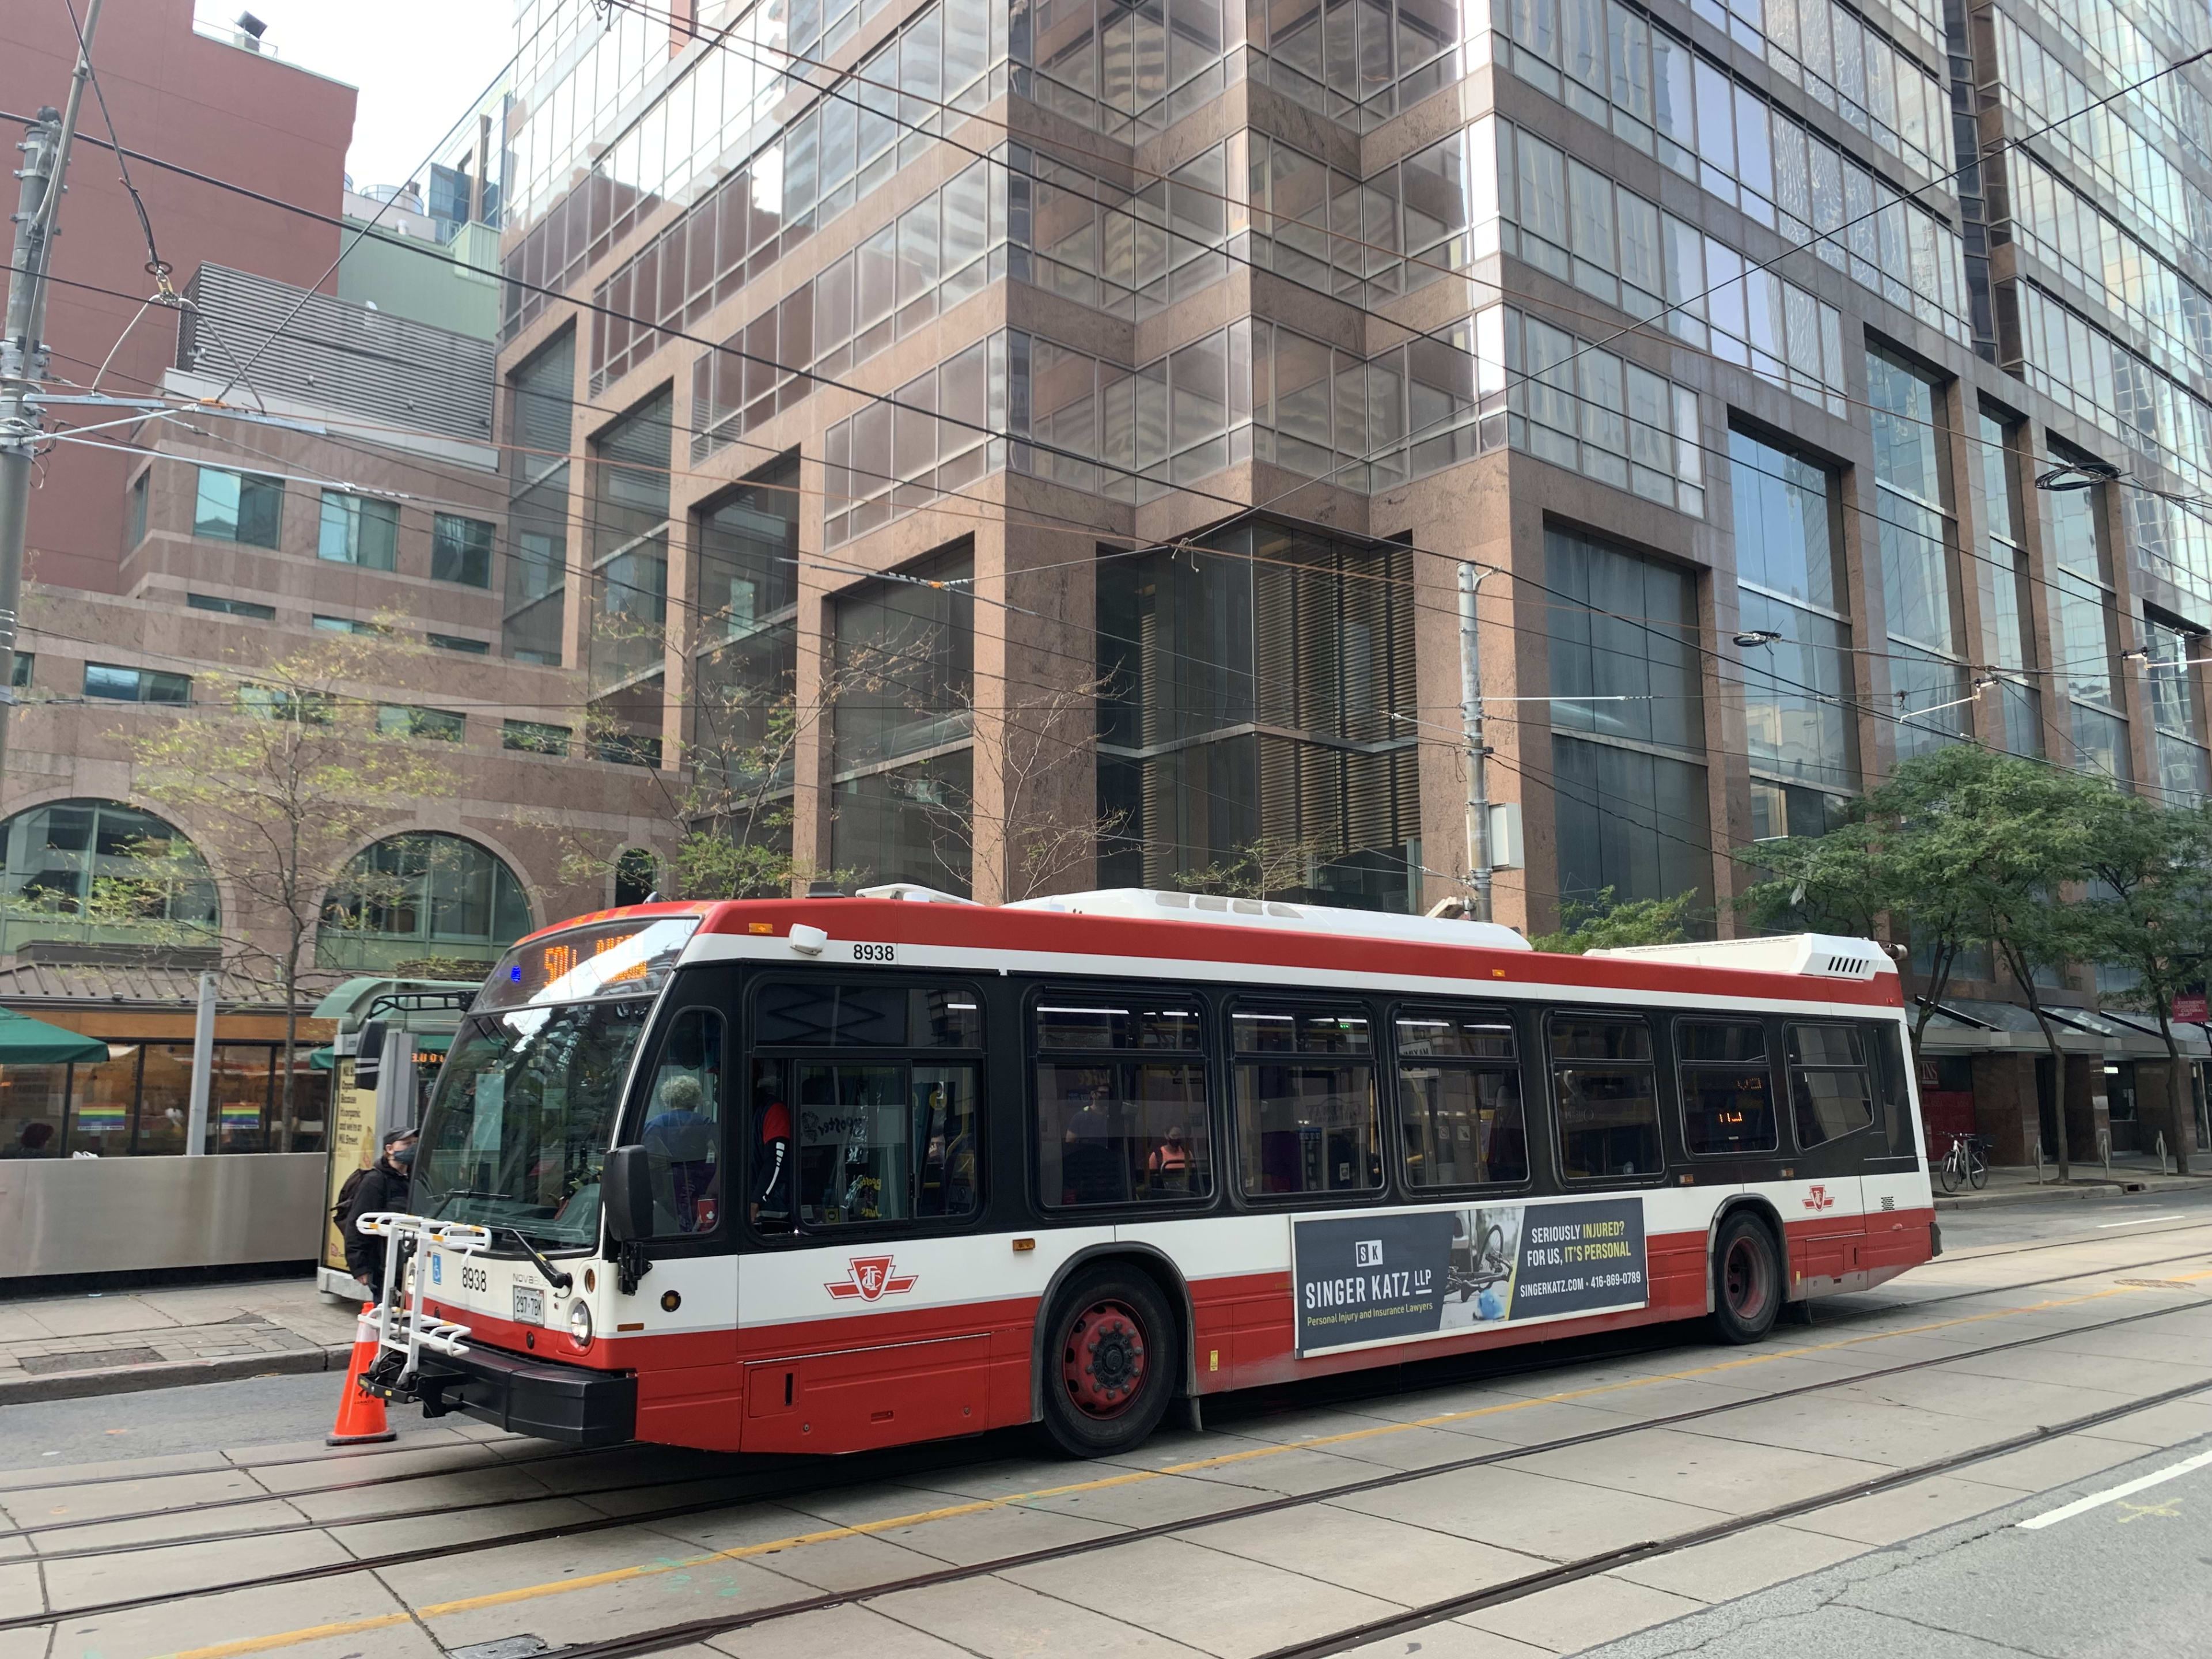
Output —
<point x="1817" y="1198"/>
<point x="871" y="1277"/>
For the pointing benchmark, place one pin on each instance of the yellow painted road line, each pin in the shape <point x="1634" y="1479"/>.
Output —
<point x="1133" y="1477"/>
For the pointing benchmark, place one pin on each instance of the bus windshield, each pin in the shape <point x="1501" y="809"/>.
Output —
<point x="519" y="1125"/>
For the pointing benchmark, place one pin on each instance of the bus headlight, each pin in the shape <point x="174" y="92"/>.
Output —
<point x="580" y="1323"/>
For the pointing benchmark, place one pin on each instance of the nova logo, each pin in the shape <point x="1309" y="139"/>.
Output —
<point x="869" y="1278"/>
<point x="1817" y="1197"/>
<point x="1367" y="1253"/>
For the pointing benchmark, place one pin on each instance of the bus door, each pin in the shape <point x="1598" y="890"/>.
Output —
<point x="680" y="1320"/>
<point x="1837" y="1127"/>
<point x="861" y="1280"/>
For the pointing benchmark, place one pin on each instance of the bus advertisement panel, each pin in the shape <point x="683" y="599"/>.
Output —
<point x="1383" y="1278"/>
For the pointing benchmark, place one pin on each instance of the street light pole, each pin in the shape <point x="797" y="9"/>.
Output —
<point x="21" y="363"/>
<point x="1478" y="772"/>
<point x="45" y="148"/>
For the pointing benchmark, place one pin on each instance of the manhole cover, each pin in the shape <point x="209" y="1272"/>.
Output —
<point x="45" y="1364"/>
<point x="508" y="1647"/>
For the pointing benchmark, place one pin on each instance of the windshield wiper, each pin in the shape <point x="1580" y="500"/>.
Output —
<point x="553" y="1276"/>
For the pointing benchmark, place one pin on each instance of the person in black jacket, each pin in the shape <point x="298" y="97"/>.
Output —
<point x="382" y="1186"/>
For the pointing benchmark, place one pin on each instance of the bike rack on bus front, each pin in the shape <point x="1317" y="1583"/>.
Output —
<point x="406" y="1329"/>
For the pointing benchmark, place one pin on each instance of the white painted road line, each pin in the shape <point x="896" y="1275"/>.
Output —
<point x="2140" y="1221"/>
<point x="2082" y="1506"/>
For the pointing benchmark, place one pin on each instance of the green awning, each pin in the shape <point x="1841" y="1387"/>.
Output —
<point x="27" y="1042"/>
<point x="321" y="1059"/>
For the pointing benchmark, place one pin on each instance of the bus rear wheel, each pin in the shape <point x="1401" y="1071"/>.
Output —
<point x="1747" y="1280"/>
<point x="1111" y="1362"/>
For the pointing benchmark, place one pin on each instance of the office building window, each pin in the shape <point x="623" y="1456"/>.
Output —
<point x="358" y="530"/>
<point x="535" y="737"/>
<point x="460" y="550"/>
<point x="1915" y="532"/>
<point x="239" y="507"/>
<point x="1627" y="723"/>
<point x="402" y="721"/>
<point x="459" y="643"/>
<point x="117" y="685"/>
<point x="1797" y="689"/>
<point x="2005" y="576"/>
<point x="135" y="523"/>
<point x="2087" y="624"/>
<point x="231" y="607"/>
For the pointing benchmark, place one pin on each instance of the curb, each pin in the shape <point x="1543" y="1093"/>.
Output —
<point x="171" y="1374"/>
<point x="2080" y="1190"/>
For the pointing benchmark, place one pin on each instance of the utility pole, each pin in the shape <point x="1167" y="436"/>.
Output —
<point x="1478" y="772"/>
<point x="45" y="148"/>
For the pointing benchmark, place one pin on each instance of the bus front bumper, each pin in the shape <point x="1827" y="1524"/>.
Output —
<point x="563" y="1403"/>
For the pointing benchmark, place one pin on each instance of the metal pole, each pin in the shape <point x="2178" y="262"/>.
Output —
<point x="23" y="351"/>
<point x="196" y="1120"/>
<point x="1478" y="776"/>
<point x="19" y="365"/>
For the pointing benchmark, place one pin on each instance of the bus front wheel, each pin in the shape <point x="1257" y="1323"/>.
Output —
<point x="1747" y="1280"/>
<point x="1110" y="1361"/>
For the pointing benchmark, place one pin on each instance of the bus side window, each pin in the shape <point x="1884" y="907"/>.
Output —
<point x="1459" y="1097"/>
<point x="682" y="1129"/>
<point x="1896" y="1095"/>
<point x="842" y="1136"/>
<point x="1306" y="1121"/>
<point x="1830" y="1092"/>
<point x="1120" y="1098"/>
<point x="1607" y="1090"/>
<point x="1728" y="1087"/>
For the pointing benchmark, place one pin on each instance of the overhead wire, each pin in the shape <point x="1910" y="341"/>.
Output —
<point x="1877" y="713"/>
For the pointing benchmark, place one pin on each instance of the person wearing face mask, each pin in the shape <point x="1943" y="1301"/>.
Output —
<point x="382" y="1186"/>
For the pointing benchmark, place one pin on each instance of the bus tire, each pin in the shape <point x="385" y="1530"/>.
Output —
<point x="1746" y="1279"/>
<point x="1112" y="1354"/>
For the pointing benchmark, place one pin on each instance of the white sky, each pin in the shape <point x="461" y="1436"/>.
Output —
<point x="420" y="65"/>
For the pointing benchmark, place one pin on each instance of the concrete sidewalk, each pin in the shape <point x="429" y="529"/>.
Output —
<point x="118" y="1341"/>
<point x="2028" y="1185"/>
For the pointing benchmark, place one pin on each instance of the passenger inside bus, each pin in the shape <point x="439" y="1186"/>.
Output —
<point x="773" y="1161"/>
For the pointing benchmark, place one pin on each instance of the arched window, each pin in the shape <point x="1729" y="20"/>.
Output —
<point x="97" y="872"/>
<point x="416" y="898"/>
<point x="637" y="872"/>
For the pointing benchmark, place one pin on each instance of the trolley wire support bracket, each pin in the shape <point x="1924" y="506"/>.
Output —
<point x="405" y="1326"/>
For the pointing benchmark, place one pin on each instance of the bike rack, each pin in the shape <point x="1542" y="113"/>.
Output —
<point x="407" y="1329"/>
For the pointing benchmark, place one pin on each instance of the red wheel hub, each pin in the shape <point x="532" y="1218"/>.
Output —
<point x="1743" y="1278"/>
<point x="1102" y="1359"/>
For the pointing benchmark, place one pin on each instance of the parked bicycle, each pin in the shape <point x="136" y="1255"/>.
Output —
<point x="1965" y="1164"/>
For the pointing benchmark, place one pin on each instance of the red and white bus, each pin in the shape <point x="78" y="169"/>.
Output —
<point x="820" y="1175"/>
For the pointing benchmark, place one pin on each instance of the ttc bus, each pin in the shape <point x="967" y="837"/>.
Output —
<point x="822" y="1174"/>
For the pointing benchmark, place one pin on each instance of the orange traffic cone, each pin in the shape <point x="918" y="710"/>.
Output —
<point x="361" y="1415"/>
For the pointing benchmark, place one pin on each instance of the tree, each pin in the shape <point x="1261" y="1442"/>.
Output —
<point x="1604" y="924"/>
<point x="1039" y="751"/>
<point x="1894" y="858"/>
<point x="289" y="771"/>
<point x="2149" y="910"/>
<point x="1261" y="868"/>
<point x="725" y="800"/>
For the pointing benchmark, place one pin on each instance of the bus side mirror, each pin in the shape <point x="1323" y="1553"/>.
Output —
<point x="626" y="1194"/>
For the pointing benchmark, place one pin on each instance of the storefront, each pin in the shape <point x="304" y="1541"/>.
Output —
<point x="136" y="1102"/>
<point x="1986" y="1069"/>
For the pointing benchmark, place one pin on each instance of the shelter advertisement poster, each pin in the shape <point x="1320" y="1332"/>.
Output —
<point x="353" y="1146"/>
<point x="1395" y="1278"/>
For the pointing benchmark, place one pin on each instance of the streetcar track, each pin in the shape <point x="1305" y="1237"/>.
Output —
<point x="1351" y="1385"/>
<point x="700" y="1629"/>
<point x="1377" y="1482"/>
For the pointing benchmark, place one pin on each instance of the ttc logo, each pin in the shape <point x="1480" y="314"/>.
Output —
<point x="1817" y="1197"/>
<point x="871" y="1277"/>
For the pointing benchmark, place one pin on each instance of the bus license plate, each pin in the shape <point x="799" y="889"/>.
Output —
<point x="529" y="1306"/>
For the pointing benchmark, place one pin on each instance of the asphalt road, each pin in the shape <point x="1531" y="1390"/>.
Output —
<point x="2126" y="1576"/>
<point x="2042" y="1221"/>
<point x="257" y="1411"/>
